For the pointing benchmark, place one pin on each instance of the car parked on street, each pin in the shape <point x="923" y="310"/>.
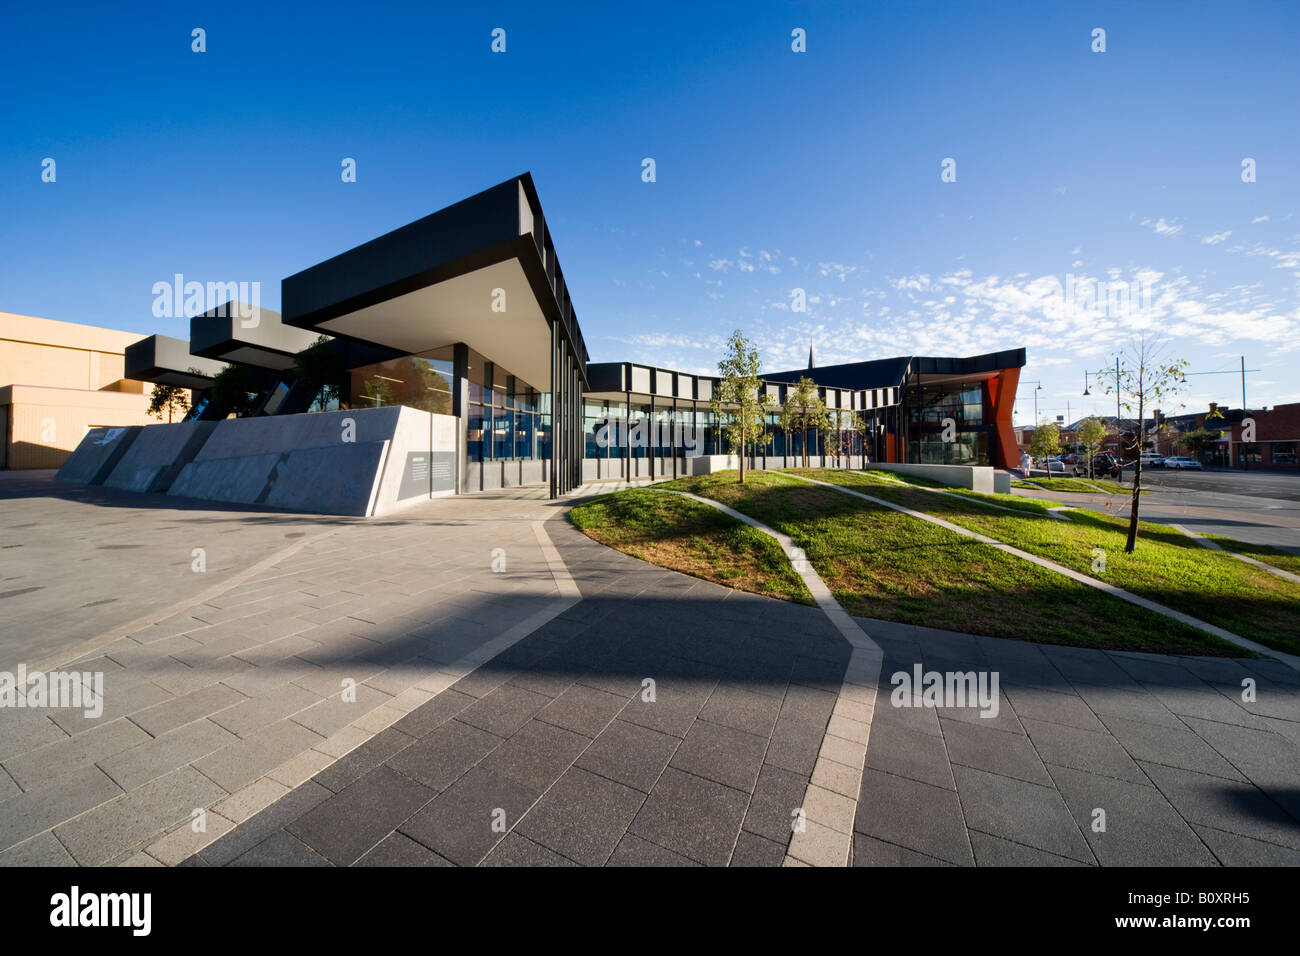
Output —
<point x="1181" y="463"/>
<point x="1150" y="460"/>
<point x="1105" y="466"/>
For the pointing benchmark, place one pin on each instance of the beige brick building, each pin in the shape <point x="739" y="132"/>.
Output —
<point x="58" y="379"/>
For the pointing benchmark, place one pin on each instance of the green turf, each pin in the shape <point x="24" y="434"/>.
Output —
<point x="676" y="532"/>
<point x="883" y="564"/>
<point x="1166" y="566"/>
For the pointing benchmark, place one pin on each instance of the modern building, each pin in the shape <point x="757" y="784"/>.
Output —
<point x="464" y="320"/>
<point x="57" y="381"/>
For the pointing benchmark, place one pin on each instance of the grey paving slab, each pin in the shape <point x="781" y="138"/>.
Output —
<point x="629" y="754"/>
<point x="991" y="850"/>
<point x="1239" y="808"/>
<point x="281" y="849"/>
<point x="247" y="835"/>
<point x="27" y="814"/>
<point x="582" y="817"/>
<point x="167" y="752"/>
<point x="1173" y="746"/>
<point x="1095" y="751"/>
<point x="1020" y="811"/>
<point x="343" y="827"/>
<point x="353" y="765"/>
<point x="1141" y="828"/>
<point x="986" y="748"/>
<point x="634" y="851"/>
<point x="777" y="794"/>
<point x="1232" y="849"/>
<point x="466" y="821"/>
<point x="397" y="849"/>
<point x="240" y="763"/>
<point x="441" y="757"/>
<point x="127" y="821"/>
<point x="868" y="851"/>
<point x="753" y="850"/>
<point x="692" y="816"/>
<point x="913" y="815"/>
<point x="504" y="710"/>
<point x="723" y="754"/>
<point x="41" y="850"/>
<point x="516" y="850"/>
<point x="32" y="768"/>
<point x="537" y="755"/>
<point x="899" y="750"/>
<point x="584" y="710"/>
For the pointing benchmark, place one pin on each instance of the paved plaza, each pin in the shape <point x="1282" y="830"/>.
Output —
<point x="478" y="683"/>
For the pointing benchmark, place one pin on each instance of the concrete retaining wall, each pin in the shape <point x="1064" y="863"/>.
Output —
<point x="158" y="454"/>
<point x="100" y="451"/>
<point x="974" y="477"/>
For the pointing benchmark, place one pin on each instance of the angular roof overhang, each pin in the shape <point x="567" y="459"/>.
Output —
<point x="167" y="361"/>
<point x="482" y="272"/>
<point x="245" y="335"/>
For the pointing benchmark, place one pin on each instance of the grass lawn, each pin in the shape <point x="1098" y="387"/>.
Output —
<point x="1090" y="486"/>
<point x="1166" y="566"/>
<point x="675" y="532"/>
<point x="886" y="565"/>
<point x="1284" y="560"/>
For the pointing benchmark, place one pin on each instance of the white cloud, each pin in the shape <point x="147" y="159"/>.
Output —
<point x="1217" y="238"/>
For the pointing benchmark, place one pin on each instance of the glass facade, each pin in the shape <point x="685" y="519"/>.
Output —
<point x="930" y="440"/>
<point x="421" y="381"/>
<point x="506" y="418"/>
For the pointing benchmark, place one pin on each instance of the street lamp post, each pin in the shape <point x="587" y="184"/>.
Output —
<point x="1244" y="370"/>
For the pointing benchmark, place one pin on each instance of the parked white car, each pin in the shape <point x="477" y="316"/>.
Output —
<point x="1153" y="461"/>
<point x="1180" y="462"/>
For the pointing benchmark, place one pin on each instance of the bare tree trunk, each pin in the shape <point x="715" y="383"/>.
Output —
<point x="742" y="448"/>
<point x="1131" y="543"/>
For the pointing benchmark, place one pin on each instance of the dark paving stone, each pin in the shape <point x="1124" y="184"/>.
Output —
<point x="1172" y="746"/>
<point x="1225" y="805"/>
<point x="777" y="794"/>
<point x="808" y="705"/>
<point x="1051" y="706"/>
<point x="281" y="849"/>
<point x="794" y="746"/>
<point x="1232" y="849"/>
<point x="582" y="817"/>
<point x="346" y="825"/>
<point x="692" y="816"/>
<point x="754" y="850"/>
<point x="904" y="752"/>
<point x="397" y="849"/>
<point x="516" y="850"/>
<point x="913" y="815"/>
<point x="536" y="756"/>
<point x="678" y="701"/>
<point x="723" y="754"/>
<point x="868" y="851"/>
<point x="434" y="713"/>
<point x="995" y="851"/>
<point x="352" y="766"/>
<point x="257" y="828"/>
<point x="583" y="710"/>
<point x="442" y="756"/>
<point x="629" y="754"/>
<point x="972" y="745"/>
<point x="462" y="823"/>
<point x="1020" y="811"/>
<point x="634" y="851"/>
<point x="741" y="708"/>
<point x="1095" y="752"/>
<point x="504" y="710"/>
<point x="1142" y="829"/>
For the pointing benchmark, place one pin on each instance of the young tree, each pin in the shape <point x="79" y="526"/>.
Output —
<point x="1046" y="442"/>
<point x="1145" y="378"/>
<point x="319" y="370"/>
<point x="737" y="396"/>
<point x="1092" y="432"/>
<point x="803" y="411"/>
<point x="1197" y="440"/>
<point x="232" y="391"/>
<point x="169" y="399"/>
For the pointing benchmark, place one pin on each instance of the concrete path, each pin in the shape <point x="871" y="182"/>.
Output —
<point x="501" y="719"/>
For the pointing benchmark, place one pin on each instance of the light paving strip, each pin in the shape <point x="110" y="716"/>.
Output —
<point x="1215" y="546"/>
<point x="183" y="842"/>
<point x="1289" y="659"/>
<point x="830" y="802"/>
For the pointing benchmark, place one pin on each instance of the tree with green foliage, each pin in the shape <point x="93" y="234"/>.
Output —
<point x="804" y="410"/>
<point x="1145" y="378"/>
<point x="739" y="401"/>
<point x="1197" y="440"/>
<point x="170" y="399"/>
<point x="1091" y="432"/>
<point x="1046" y="442"/>
<point x="318" y="370"/>
<point x="233" y="391"/>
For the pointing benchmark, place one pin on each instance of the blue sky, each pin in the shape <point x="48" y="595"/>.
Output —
<point x="775" y="170"/>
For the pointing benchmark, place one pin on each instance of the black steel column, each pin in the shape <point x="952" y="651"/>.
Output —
<point x="555" y="348"/>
